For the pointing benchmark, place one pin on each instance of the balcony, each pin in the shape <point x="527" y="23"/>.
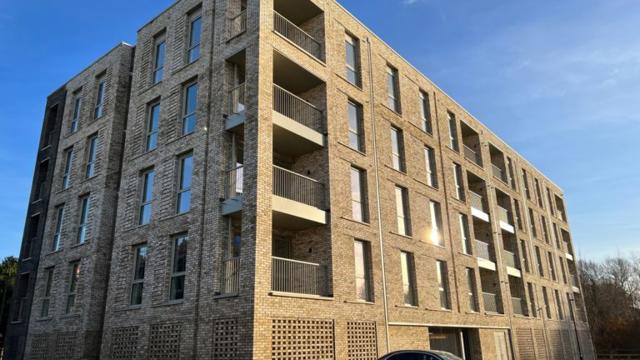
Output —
<point x="298" y="277"/>
<point x="498" y="173"/>
<point x="477" y="206"/>
<point x="511" y="262"/>
<point x="234" y="80"/>
<point x="491" y="303"/>
<point x="299" y="201"/>
<point x="505" y="220"/>
<point x="483" y="252"/>
<point x="472" y="155"/>
<point x="236" y="106"/>
<point x="575" y="284"/>
<point x="236" y="25"/>
<point x="471" y="144"/>
<point x="230" y="276"/>
<point x="519" y="306"/>
<point x="296" y="35"/>
<point x="233" y="190"/>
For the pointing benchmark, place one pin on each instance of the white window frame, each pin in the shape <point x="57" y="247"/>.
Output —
<point x="153" y="126"/>
<point x="363" y="278"/>
<point x="66" y="175"/>
<point x="188" y="114"/>
<point x="442" y="275"/>
<point x="139" y="251"/>
<point x="402" y="211"/>
<point x="159" y="55"/>
<point x="92" y="155"/>
<point x="83" y="224"/>
<point x="194" y="38"/>
<point x="435" y="211"/>
<point x="359" y="200"/>
<point x="407" y="265"/>
<point x="184" y="188"/>
<point x="57" y="235"/>
<point x="146" y="196"/>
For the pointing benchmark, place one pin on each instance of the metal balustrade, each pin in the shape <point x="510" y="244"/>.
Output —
<point x="234" y="182"/>
<point x="297" y="109"/>
<point x="498" y="172"/>
<point x="519" y="306"/>
<point x="236" y="99"/>
<point x="296" y="187"/>
<point x="298" y="277"/>
<point x="574" y="281"/>
<point x="236" y="25"/>
<point x="510" y="259"/>
<point x="472" y="155"/>
<point x="490" y="302"/>
<point x="231" y="276"/>
<point x="482" y="250"/>
<point x="291" y="31"/>
<point x="476" y="201"/>
<point x="503" y="215"/>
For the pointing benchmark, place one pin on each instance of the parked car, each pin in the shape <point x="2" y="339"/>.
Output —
<point x="420" y="355"/>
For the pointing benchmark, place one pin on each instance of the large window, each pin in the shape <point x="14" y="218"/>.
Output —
<point x="189" y="108"/>
<point x="458" y="182"/>
<point x="92" y="148"/>
<point x="393" y="89"/>
<point x="139" y="266"/>
<point x="352" y="59"/>
<point x="430" y="165"/>
<point x="465" y="238"/>
<point x="68" y="164"/>
<point x="185" y="164"/>
<point x="532" y="299"/>
<point x="356" y="128"/>
<point x="397" y="149"/>
<point x="100" y="95"/>
<point x="146" y="198"/>
<point x="443" y="284"/>
<point x="552" y="266"/>
<point x="408" y="278"/>
<point x="525" y="184"/>
<point x="425" y="112"/>
<point x="178" y="267"/>
<point x="57" y="235"/>
<point x="471" y="290"/>
<point x="437" y="237"/>
<point x="74" y="278"/>
<point x="453" y="132"/>
<point x="158" y="58"/>
<point x="362" y="258"/>
<point x="83" y="224"/>
<point x="547" y="305"/>
<point x="402" y="211"/>
<point x="46" y="298"/>
<point x="539" y="262"/>
<point x="77" y="107"/>
<point x="153" y="125"/>
<point x="532" y="224"/>
<point x="195" y="33"/>
<point x="359" y="195"/>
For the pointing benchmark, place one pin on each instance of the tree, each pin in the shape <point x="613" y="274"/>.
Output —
<point x="8" y="272"/>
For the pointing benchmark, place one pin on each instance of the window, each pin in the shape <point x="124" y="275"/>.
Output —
<point x="532" y="223"/>
<point x="516" y="206"/>
<point x="545" y="229"/>
<point x="402" y="211"/>
<point x="425" y="112"/>
<point x="471" y="288"/>
<point x="393" y="91"/>
<point x="362" y="254"/>
<point x="430" y="163"/>
<point x="465" y="238"/>
<point x="77" y="107"/>
<point x="556" y="236"/>
<point x="158" y="58"/>
<point x="92" y="145"/>
<point x="85" y="203"/>
<point x="178" y="268"/>
<point x="539" y="262"/>
<point x="146" y="199"/>
<point x="443" y="284"/>
<point x="74" y="278"/>
<point x="562" y="269"/>
<point x="538" y="193"/>
<point x="359" y="195"/>
<point x="139" y="266"/>
<point x="46" y="298"/>
<point x="525" y="184"/>
<point x="352" y="59"/>
<point x="559" y="305"/>
<point x="68" y="163"/>
<point x="190" y="103"/>
<point x="397" y="149"/>
<point x="512" y="176"/>
<point x="525" y="256"/>
<point x="457" y="179"/>
<point x="547" y="305"/>
<point x="184" y="183"/>
<point x="408" y="278"/>
<point x="453" y="132"/>
<point x="532" y="299"/>
<point x="550" y="202"/>
<point x="356" y="128"/>
<point x="552" y="266"/>
<point x="436" y="223"/>
<point x="57" y="235"/>
<point x="153" y="124"/>
<point x="195" y="31"/>
<point x="99" y="110"/>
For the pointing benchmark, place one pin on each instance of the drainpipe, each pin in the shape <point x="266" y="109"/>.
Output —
<point x="379" y="211"/>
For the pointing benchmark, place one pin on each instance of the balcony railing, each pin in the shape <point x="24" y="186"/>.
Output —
<point x="298" y="36"/>
<point x="510" y="259"/>
<point x="503" y="215"/>
<point x="519" y="306"/>
<point x="574" y="281"/>
<point x="234" y="182"/>
<point x="482" y="250"/>
<point x="472" y="155"/>
<point x="237" y="99"/>
<point x="296" y="108"/>
<point x="231" y="276"/>
<point x="490" y="302"/>
<point x="296" y="187"/>
<point x="298" y="277"/>
<point x="236" y="25"/>
<point x="476" y="201"/>
<point x="498" y="172"/>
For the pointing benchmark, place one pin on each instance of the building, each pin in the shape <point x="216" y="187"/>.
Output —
<point x="289" y="187"/>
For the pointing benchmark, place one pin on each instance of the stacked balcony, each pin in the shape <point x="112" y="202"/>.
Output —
<point x="491" y="295"/>
<point x="236" y="18"/>
<point x="235" y="102"/>
<point x="471" y="144"/>
<point x="518" y="297"/>
<point x="510" y="256"/>
<point x="505" y="215"/>
<point x="498" y="166"/>
<point x="477" y="197"/>
<point x="301" y="23"/>
<point x="484" y="249"/>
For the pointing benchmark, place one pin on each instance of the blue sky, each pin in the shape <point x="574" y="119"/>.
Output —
<point x="557" y="80"/>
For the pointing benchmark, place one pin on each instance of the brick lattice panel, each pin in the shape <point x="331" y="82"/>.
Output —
<point x="302" y="339"/>
<point x="39" y="347"/>
<point x="65" y="346"/>
<point x="362" y="341"/>
<point x="164" y="341"/>
<point x="541" y="344"/>
<point x="555" y="345"/>
<point x="526" y="347"/>
<point x="226" y="338"/>
<point x="124" y="343"/>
